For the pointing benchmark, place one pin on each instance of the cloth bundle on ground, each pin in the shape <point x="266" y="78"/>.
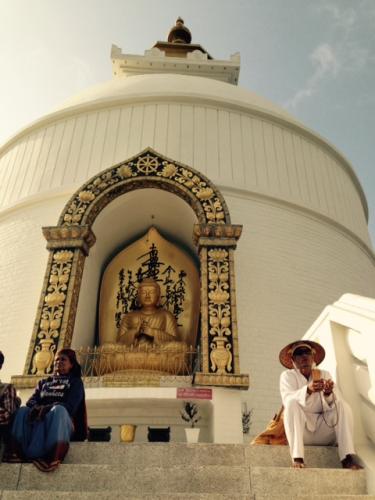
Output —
<point x="274" y="432"/>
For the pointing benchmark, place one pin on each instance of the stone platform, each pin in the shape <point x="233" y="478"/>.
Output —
<point x="184" y="471"/>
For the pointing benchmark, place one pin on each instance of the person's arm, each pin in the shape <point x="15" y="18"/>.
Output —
<point x="73" y="396"/>
<point x="290" y="388"/>
<point x="35" y="400"/>
<point x="9" y="404"/>
<point x="329" y="390"/>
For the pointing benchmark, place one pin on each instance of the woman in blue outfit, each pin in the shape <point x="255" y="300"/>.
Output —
<point x="53" y="416"/>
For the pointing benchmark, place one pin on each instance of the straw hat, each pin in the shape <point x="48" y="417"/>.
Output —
<point x="286" y="353"/>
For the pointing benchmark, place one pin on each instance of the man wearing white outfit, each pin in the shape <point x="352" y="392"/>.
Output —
<point x="314" y="411"/>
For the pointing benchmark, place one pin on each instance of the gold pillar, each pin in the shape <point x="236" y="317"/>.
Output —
<point x="219" y="334"/>
<point x="54" y="323"/>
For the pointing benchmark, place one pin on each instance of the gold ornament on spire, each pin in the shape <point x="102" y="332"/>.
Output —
<point x="179" y="33"/>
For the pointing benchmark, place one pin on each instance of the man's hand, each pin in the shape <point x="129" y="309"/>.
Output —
<point x="315" y="386"/>
<point x="328" y="387"/>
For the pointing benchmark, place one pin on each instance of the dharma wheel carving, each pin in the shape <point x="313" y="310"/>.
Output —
<point x="69" y="243"/>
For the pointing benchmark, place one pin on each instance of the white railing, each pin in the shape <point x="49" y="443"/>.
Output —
<point x="347" y="331"/>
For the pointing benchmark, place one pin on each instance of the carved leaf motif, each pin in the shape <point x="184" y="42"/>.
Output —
<point x="169" y="170"/>
<point x="205" y="194"/>
<point x="218" y="297"/>
<point x="54" y="299"/>
<point x="86" y="196"/>
<point x="125" y="171"/>
<point x="63" y="256"/>
<point x="218" y="255"/>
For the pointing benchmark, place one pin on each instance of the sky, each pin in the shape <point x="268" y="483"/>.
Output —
<point x="315" y="58"/>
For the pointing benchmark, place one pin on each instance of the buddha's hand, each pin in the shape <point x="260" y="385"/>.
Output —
<point x="146" y="330"/>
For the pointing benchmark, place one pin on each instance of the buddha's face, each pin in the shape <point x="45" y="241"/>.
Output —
<point x="148" y="295"/>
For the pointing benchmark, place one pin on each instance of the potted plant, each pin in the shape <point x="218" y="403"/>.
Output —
<point x="189" y="413"/>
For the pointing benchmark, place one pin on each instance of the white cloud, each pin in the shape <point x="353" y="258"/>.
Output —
<point x="344" y="54"/>
<point x="343" y="18"/>
<point x="325" y="61"/>
<point x="326" y="65"/>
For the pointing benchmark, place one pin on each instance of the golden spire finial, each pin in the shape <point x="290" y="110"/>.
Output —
<point x="179" y="33"/>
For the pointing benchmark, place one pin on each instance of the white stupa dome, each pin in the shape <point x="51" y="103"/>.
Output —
<point x="305" y="240"/>
<point x="172" y="86"/>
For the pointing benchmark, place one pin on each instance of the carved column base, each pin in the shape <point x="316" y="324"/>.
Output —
<point x="227" y="380"/>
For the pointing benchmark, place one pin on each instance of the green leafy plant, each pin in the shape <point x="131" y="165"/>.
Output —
<point x="189" y="413"/>
<point x="246" y="420"/>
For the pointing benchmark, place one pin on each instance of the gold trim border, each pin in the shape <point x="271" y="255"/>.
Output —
<point x="240" y="381"/>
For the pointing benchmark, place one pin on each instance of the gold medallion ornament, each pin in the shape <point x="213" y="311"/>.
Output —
<point x="215" y="237"/>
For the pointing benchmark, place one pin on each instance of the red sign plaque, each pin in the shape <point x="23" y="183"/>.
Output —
<point x="193" y="393"/>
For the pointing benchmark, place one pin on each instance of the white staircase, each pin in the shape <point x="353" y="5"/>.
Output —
<point x="182" y="471"/>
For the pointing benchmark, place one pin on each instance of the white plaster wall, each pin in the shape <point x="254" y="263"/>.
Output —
<point x="289" y="266"/>
<point x="22" y="267"/>
<point x="235" y="143"/>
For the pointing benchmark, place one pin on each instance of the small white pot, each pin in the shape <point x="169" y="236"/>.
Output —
<point x="192" y="434"/>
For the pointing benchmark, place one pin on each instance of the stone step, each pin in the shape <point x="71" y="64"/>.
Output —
<point x="112" y="495"/>
<point x="276" y="482"/>
<point x="170" y="454"/>
<point x="314" y="497"/>
<point x="325" y="457"/>
<point x="119" y="495"/>
<point x="193" y="479"/>
<point x="135" y="480"/>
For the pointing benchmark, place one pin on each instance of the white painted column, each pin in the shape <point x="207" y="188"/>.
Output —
<point x="227" y="416"/>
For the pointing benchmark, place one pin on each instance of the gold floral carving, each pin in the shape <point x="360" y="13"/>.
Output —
<point x="227" y="234"/>
<point x="220" y="380"/>
<point x="69" y="237"/>
<point x="174" y="177"/>
<point x="52" y="312"/>
<point x="219" y="311"/>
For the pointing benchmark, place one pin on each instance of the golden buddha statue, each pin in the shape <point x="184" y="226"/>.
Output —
<point x="150" y="325"/>
<point x="147" y="339"/>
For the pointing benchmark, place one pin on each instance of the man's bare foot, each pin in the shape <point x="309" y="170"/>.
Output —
<point x="298" y="463"/>
<point x="350" y="463"/>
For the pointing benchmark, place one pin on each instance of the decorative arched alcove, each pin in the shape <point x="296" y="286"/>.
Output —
<point x="214" y="236"/>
